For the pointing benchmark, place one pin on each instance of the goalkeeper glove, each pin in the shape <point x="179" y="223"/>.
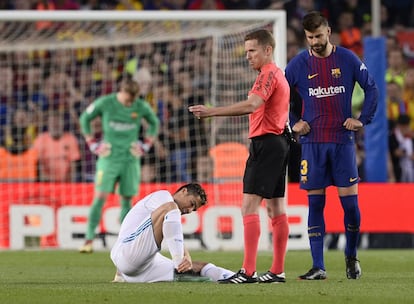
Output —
<point x="139" y="148"/>
<point x="99" y="148"/>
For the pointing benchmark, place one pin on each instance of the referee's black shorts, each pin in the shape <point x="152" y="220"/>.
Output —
<point x="265" y="173"/>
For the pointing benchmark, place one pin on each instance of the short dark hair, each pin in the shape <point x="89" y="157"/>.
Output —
<point x="196" y="190"/>
<point x="312" y="20"/>
<point x="263" y="37"/>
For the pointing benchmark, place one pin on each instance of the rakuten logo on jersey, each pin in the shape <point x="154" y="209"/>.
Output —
<point x="320" y="92"/>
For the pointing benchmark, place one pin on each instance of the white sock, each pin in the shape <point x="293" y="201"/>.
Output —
<point x="173" y="236"/>
<point x="215" y="273"/>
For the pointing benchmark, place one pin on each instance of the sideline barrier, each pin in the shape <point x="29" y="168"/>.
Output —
<point x="385" y="208"/>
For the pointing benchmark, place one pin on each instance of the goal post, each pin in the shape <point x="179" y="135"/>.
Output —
<point x="55" y="63"/>
<point x="276" y="17"/>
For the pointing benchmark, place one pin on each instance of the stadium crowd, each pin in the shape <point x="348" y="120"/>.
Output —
<point x="62" y="82"/>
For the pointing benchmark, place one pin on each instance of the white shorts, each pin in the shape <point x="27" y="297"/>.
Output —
<point x="137" y="257"/>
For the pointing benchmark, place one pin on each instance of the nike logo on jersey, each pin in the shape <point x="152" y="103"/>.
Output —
<point x="312" y="76"/>
<point x="352" y="179"/>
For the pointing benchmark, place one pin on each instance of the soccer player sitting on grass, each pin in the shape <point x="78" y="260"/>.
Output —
<point x="155" y="218"/>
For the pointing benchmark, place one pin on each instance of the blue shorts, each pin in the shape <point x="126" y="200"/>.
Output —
<point x="326" y="164"/>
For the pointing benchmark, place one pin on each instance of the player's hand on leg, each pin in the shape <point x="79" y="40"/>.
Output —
<point x="99" y="148"/>
<point x="139" y="148"/>
<point x="185" y="265"/>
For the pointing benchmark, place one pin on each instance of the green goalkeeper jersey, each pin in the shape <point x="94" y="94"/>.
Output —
<point x="120" y="124"/>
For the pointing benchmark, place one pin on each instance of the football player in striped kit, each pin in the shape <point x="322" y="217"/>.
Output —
<point x="325" y="76"/>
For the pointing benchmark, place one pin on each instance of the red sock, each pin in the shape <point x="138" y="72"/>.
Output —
<point x="280" y="238"/>
<point x="251" y="224"/>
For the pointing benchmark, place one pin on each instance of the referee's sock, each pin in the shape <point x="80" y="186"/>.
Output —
<point x="251" y="224"/>
<point x="280" y="236"/>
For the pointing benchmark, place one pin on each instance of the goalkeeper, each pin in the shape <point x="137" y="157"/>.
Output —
<point x="119" y="151"/>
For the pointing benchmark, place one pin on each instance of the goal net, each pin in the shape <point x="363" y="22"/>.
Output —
<point x="54" y="64"/>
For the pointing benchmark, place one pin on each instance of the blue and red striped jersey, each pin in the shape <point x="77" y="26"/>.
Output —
<point x="325" y="86"/>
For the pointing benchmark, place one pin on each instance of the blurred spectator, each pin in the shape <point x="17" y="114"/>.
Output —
<point x="335" y="38"/>
<point x="20" y="131"/>
<point x="104" y="75"/>
<point x="395" y="104"/>
<point x="408" y="94"/>
<point x="157" y="152"/>
<point x="268" y="4"/>
<point x="7" y="5"/>
<point x="22" y="4"/>
<point x="178" y="140"/>
<point x="137" y="56"/>
<point x="144" y="79"/>
<point x="296" y="10"/>
<point x="396" y="66"/>
<point x="86" y="86"/>
<point x="300" y="8"/>
<point x="205" y="167"/>
<point x="184" y="135"/>
<point x="67" y="5"/>
<point x="174" y="4"/>
<point x="236" y="4"/>
<point x="157" y="5"/>
<point x="17" y="158"/>
<point x="44" y="5"/>
<point x="206" y="5"/>
<point x="35" y="84"/>
<point x="92" y="5"/>
<point x="401" y="147"/>
<point x="129" y="5"/>
<point x="391" y="41"/>
<point x="350" y="35"/>
<point x="6" y="96"/>
<point x="162" y="95"/>
<point x="63" y="96"/>
<point x="399" y="12"/>
<point x="197" y="145"/>
<point x="58" y="152"/>
<point x="360" y="10"/>
<point x="294" y="43"/>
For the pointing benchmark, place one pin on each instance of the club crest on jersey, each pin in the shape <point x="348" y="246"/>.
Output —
<point x="134" y="115"/>
<point x="336" y="73"/>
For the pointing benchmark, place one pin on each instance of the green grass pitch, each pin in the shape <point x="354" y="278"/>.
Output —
<point x="70" y="277"/>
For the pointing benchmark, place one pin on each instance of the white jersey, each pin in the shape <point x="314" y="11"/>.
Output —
<point x="135" y="253"/>
<point x="142" y="211"/>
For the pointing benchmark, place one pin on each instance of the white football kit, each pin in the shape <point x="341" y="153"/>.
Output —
<point x="136" y="254"/>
